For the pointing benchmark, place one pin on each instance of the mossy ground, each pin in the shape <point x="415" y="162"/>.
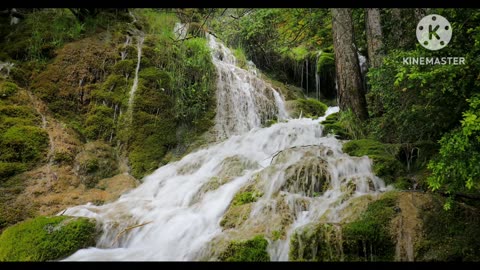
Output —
<point x="252" y="250"/>
<point x="46" y="238"/>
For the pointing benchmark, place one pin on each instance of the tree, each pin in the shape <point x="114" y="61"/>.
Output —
<point x="374" y="36"/>
<point x="349" y="77"/>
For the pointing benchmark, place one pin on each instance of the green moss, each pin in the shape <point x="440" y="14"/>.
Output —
<point x="23" y="144"/>
<point x="8" y="169"/>
<point x="310" y="108"/>
<point x="235" y="216"/>
<point x="448" y="235"/>
<point x="158" y="79"/>
<point x="95" y="162"/>
<point x="384" y="156"/>
<point x="253" y="250"/>
<point x="369" y="237"/>
<point x="63" y="157"/>
<point x="321" y="242"/>
<point x="246" y="197"/>
<point x="46" y="238"/>
<point x="270" y="122"/>
<point x="332" y="126"/>
<point x="99" y="123"/>
<point x="309" y="177"/>
<point x="125" y="67"/>
<point x="240" y="207"/>
<point x="7" y="89"/>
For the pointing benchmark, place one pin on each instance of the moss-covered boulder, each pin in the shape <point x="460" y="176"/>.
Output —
<point x="253" y="250"/>
<point x="310" y="108"/>
<point x="369" y="238"/>
<point x="309" y="176"/>
<point x="46" y="238"/>
<point x="331" y="125"/>
<point x="316" y="242"/>
<point x="384" y="156"/>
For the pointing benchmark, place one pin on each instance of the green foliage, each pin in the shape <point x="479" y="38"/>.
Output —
<point x="384" y="156"/>
<point x="46" y="238"/>
<point x="240" y="56"/>
<point x="252" y="250"/>
<point x="23" y="144"/>
<point x="278" y="41"/>
<point x="369" y="237"/>
<point x="457" y="166"/>
<point x="7" y="89"/>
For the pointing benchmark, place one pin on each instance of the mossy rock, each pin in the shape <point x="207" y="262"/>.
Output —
<point x="309" y="176"/>
<point x="316" y="242"/>
<point x="310" y="108"/>
<point x="7" y="89"/>
<point x="369" y="237"/>
<point x="384" y="156"/>
<point x="252" y="250"/>
<point x="240" y="207"/>
<point x="332" y="126"/>
<point x="46" y="238"/>
<point x="95" y="162"/>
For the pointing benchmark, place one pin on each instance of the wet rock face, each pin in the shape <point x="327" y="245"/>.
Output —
<point x="309" y="177"/>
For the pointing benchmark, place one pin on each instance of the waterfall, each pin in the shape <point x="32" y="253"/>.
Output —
<point x="175" y="214"/>
<point x="317" y="76"/>
<point x="131" y="98"/>
<point x="244" y="101"/>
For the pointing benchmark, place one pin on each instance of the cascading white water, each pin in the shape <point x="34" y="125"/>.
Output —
<point x="244" y="100"/>
<point x="175" y="214"/>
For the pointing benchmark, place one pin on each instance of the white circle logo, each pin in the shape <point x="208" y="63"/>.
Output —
<point x="434" y="32"/>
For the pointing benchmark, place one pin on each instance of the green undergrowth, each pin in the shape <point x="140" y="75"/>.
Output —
<point x="252" y="250"/>
<point x="46" y="238"/>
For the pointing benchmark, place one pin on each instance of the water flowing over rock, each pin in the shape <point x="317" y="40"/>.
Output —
<point x="282" y="177"/>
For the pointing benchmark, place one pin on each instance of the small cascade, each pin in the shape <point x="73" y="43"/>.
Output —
<point x="246" y="101"/>
<point x="135" y="80"/>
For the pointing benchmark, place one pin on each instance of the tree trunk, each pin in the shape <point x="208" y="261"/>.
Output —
<point x="349" y="77"/>
<point x="374" y="36"/>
